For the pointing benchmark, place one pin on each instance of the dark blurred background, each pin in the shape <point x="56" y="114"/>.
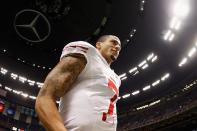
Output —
<point x="157" y="63"/>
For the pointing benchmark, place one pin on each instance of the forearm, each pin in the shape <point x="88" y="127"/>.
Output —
<point x="48" y="114"/>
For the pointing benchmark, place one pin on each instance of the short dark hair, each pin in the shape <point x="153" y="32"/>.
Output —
<point x="103" y="38"/>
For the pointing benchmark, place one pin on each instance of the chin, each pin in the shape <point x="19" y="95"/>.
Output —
<point x="113" y="58"/>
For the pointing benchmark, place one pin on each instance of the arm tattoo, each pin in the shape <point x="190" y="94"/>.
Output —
<point x="61" y="78"/>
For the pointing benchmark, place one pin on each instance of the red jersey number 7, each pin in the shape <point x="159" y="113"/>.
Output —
<point x="110" y="111"/>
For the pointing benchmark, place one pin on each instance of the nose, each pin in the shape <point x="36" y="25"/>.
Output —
<point x="117" y="47"/>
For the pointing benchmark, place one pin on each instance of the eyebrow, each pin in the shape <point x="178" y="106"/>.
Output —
<point x="114" y="40"/>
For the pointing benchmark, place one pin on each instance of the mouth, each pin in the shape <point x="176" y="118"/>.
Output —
<point x="115" y="52"/>
<point x="113" y="57"/>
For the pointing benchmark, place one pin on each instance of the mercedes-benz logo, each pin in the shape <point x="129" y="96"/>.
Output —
<point x="32" y="25"/>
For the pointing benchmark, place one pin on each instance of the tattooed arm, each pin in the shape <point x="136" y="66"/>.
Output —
<point x="56" y="84"/>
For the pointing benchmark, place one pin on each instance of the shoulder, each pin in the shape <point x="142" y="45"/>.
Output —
<point x="79" y="44"/>
<point x="79" y="47"/>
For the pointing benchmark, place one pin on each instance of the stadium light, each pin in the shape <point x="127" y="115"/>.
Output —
<point x="22" y="79"/>
<point x="142" y="107"/>
<point x="154" y="59"/>
<point x="135" y="92"/>
<point x="14" y="128"/>
<point x="181" y="8"/>
<point x="144" y="66"/>
<point x="192" y="52"/>
<point x="31" y="83"/>
<point x="175" y="23"/>
<point x="165" y="76"/>
<point x="142" y="63"/>
<point x="39" y="84"/>
<point x="123" y="78"/>
<point x="24" y="95"/>
<point x="16" y="92"/>
<point x="122" y="75"/>
<point x="183" y="61"/>
<point x="168" y="33"/>
<point x="156" y="83"/>
<point x="155" y="102"/>
<point x="146" y="88"/>
<point x="150" y="56"/>
<point x="171" y="37"/>
<point x="14" y="76"/>
<point x="7" y="88"/>
<point x="133" y="69"/>
<point x="4" y="71"/>
<point x="178" y="25"/>
<point x="126" y="96"/>
<point x="32" y="97"/>
<point x="136" y="73"/>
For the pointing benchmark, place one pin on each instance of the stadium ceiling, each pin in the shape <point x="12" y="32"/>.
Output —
<point x="158" y="38"/>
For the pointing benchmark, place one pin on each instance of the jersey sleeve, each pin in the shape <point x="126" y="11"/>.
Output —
<point x="78" y="47"/>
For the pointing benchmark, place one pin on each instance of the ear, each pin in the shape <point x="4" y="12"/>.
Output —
<point x="98" y="45"/>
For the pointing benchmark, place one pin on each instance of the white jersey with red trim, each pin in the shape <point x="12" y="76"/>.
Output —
<point x="90" y="104"/>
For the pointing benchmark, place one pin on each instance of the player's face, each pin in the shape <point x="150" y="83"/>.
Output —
<point x="110" y="48"/>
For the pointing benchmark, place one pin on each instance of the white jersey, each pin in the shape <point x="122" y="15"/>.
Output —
<point x="90" y="104"/>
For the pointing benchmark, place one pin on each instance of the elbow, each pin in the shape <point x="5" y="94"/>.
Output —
<point x="39" y="100"/>
<point x="37" y="104"/>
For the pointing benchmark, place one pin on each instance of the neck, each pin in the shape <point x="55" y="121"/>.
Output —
<point x="108" y="61"/>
